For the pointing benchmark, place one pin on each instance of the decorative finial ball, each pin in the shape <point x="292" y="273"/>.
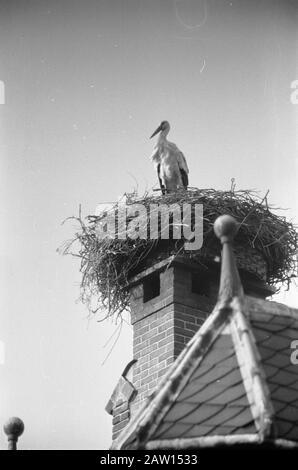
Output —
<point x="225" y="228"/>
<point x="14" y="427"/>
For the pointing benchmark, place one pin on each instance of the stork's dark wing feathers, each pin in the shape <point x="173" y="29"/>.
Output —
<point x="183" y="168"/>
<point x="184" y="177"/>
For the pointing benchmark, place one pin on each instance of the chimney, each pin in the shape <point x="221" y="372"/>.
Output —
<point x="168" y="305"/>
<point x="169" y="302"/>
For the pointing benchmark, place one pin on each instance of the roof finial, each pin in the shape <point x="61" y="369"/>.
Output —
<point x="13" y="428"/>
<point x="225" y="228"/>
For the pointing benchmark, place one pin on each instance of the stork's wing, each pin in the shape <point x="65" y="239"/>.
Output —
<point x="155" y="157"/>
<point x="184" y="177"/>
<point x="182" y="162"/>
<point x="183" y="169"/>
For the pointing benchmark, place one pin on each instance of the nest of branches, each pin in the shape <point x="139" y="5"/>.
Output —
<point x="108" y="262"/>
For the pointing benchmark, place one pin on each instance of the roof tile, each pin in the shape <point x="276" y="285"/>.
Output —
<point x="201" y="413"/>
<point x="282" y="376"/>
<point x="210" y="399"/>
<point x="233" y="416"/>
<point x="171" y="430"/>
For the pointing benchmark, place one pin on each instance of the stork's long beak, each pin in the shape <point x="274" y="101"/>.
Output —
<point x="156" y="132"/>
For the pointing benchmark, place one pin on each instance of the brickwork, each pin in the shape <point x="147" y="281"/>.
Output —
<point x="121" y="416"/>
<point x="119" y="404"/>
<point x="163" y="326"/>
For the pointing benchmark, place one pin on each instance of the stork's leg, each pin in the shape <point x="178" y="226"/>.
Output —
<point x="162" y="187"/>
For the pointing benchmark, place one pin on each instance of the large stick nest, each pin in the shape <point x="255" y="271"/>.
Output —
<point x="107" y="264"/>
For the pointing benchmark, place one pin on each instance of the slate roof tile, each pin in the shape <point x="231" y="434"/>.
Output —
<point x="269" y="356"/>
<point x="289" y="333"/>
<point x="284" y="377"/>
<point x="172" y="430"/>
<point x="289" y="413"/>
<point x="285" y="394"/>
<point x="277" y="343"/>
<point x="281" y="374"/>
<point x="241" y="401"/>
<point x="249" y="428"/>
<point x="220" y="356"/>
<point x="178" y="413"/>
<point x="234" y="416"/>
<point x="292" y="435"/>
<point x="212" y="398"/>
<point x="229" y="395"/>
<point x="268" y="326"/>
<point x="294" y="385"/>
<point x="284" y="427"/>
<point x="232" y="378"/>
<point x="282" y="360"/>
<point x="200" y="414"/>
<point x="215" y="373"/>
<point x="279" y="405"/>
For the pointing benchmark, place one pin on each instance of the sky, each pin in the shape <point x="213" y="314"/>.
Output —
<point x="86" y="84"/>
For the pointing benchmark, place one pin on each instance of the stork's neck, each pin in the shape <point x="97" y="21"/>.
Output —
<point x="163" y="136"/>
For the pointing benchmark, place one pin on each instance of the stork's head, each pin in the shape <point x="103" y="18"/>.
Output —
<point x="164" y="126"/>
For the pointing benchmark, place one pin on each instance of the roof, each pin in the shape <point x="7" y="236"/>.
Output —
<point x="234" y="383"/>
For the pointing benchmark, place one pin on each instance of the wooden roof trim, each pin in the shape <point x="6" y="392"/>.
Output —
<point x="214" y="441"/>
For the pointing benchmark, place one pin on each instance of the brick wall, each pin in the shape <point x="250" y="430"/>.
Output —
<point x="163" y="326"/>
<point x="121" y="416"/>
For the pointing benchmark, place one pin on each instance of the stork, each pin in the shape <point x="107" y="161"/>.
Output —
<point x="172" y="169"/>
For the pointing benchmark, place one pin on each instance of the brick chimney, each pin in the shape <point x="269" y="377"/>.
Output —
<point x="168" y="305"/>
<point x="170" y="300"/>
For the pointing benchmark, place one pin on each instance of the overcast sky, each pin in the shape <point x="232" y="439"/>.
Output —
<point x="86" y="84"/>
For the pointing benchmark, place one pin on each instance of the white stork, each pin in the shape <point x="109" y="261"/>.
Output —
<point x="172" y="169"/>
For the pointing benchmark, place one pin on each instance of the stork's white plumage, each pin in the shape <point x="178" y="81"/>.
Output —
<point x="172" y="169"/>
